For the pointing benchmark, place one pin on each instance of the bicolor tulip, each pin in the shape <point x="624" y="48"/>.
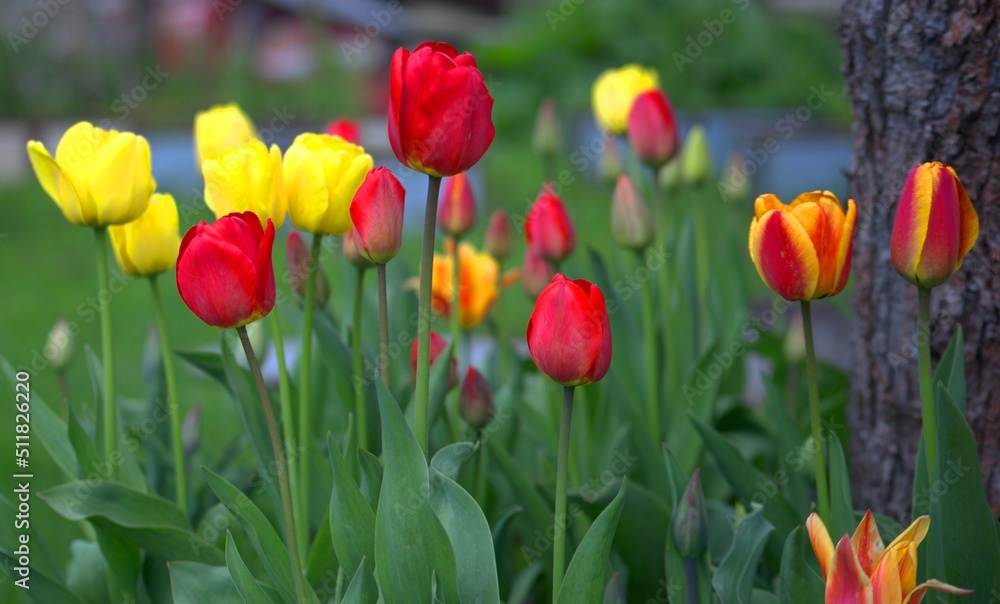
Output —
<point x="221" y="128"/>
<point x="298" y="257"/>
<point x="457" y="210"/>
<point x="224" y="270"/>
<point x="548" y="227"/>
<point x="614" y="92"/>
<point x="478" y="284"/>
<point x="440" y="111"/>
<point x="536" y="273"/>
<point x="498" y="238"/>
<point x="97" y="177"/>
<point x="345" y="129"/>
<point x="247" y="179"/>
<point x="802" y="250"/>
<point x="546" y="137"/>
<point x="475" y="402"/>
<point x="631" y="221"/>
<point x="148" y="245"/>
<point x="438" y="345"/>
<point x="377" y="213"/>
<point x="936" y="225"/>
<point x="322" y="174"/>
<point x="652" y="130"/>
<point x="351" y="252"/>
<point x="862" y="570"/>
<point x="569" y="335"/>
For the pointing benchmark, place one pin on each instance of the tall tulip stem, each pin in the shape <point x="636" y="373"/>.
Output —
<point x="383" y="327"/>
<point x="814" y="415"/>
<point x="559" y="518"/>
<point x="691" y="572"/>
<point x="652" y="371"/>
<point x="173" y="402"/>
<point x="663" y="282"/>
<point x="455" y="314"/>
<point x="280" y="467"/>
<point x="288" y="425"/>
<point x="926" y="382"/>
<point x="360" y="409"/>
<point x="424" y="310"/>
<point x="109" y="414"/>
<point x="305" y="369"/>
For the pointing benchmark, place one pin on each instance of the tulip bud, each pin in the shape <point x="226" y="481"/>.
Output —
<point x="569" y="335"/>
<point x="546" y="138"/>
<point x="936" y="226"/>
<point x="536" y="273"/>
<point x="457" y="213"/>
<point x="351" y="252"/>
<point x="670" y="174"/>
<point x="696" y="158"/>
<point x="631" y="222"/>
<point x="614" y="591"/>
<point x="498" y="238"/>
<point x="190" y="430"/>
<point x="148" y="245"/>
<point x="548" y="228"/>
<point x="298" y="270"/>
<point x="735" y="183"/>
<point x="438" y="345"/>
<point x="652" y="131"/>
<point x="794" y="346"/>
<point x="377" y="212"/>
<point x="609" y="163"/>
<point x="345" y="129"/>
<point x="690" y="525"/>
<point x="476" y="400"/>
<point x="59" y="345"/>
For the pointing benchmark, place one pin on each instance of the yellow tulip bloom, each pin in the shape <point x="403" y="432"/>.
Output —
<point x="247" y="179"/>
<point x="322" y="174"/>
<point x="614" y="92"/>
<point x="478" y="288"/>
<point x="148" y="245"/>
<point x="98" y="177"/>
<point x="220" y="128"/>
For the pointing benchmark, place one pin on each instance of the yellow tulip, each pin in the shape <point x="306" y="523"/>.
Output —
<point x="98" y="177"/>
<point x="247" y="179"/>
<point x="148" y="245"/>
<point x="322" y="174"/>
<point x="220" y="128"/>
<point x="615" y="91"/>
<point x="478" y="288"/>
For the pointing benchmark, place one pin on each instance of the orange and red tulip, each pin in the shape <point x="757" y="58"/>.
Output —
<point x="935" y="226"/>
<point x="457" y="213"/>
<point x="802" y="250"/>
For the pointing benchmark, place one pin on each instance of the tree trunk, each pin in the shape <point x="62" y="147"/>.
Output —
<point x="924" y="81"/>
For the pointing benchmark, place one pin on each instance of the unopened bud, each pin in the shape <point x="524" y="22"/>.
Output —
<point x="298" y="270"/>
<point x="690" y="526"/>
<point x="609" y="162"/>
<point x="696" y="157"/>
<point x="794" y="345"/>
<point x="352" y="254"/>
<point x="498" y="238"/>
<point x="546" y="139"/>
<point x="457" y="213"/>
<point x="631" y="222"/>
<point x="59" y="345"/>
<point x="536" y="273"/>
<point x="476" y="400"/>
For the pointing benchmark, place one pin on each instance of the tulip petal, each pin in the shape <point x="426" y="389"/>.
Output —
<point x="77" y="150"/>
<point x="564" y="315"/>
<point x="216" y="280"/>
<point x="308" y="195"/>
<point x="845" y="246"/>
<point x="915" y="596"/>
<point x="55" y="183"/>
<point x="914" y="533"/>
<point x="121" y="179"/>
<point x="885" y="582"/>
<point x="968" y="221"/>
<point x="939" y="255"/>
<point x="265" y="271"/>
<point x="784" y="256"/>
<point x="867" y="543"/>
<point x="821" y="543"/>
<point x="847" y="582"/>
<point x="765" y="203"/>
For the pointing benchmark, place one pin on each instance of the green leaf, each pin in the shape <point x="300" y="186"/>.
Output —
<point x="963" y="546"/>
<point x="448" y="460"/>
<point x="339" y="358"/>
<point x="371" y="477"/>
<point x="675" y="564"/>
<point x="362" y="589"/>
<point x="440" y="384"/>
<point x="352" y="522"/>
<point x="43" y="587"/>
<point x="411" y="546"/>
<point x="644" y="515"/>
<point x="504" y="571"/>
<point x="842" y="520"/>
<point x="797" y="581"/>
<point x="243" y="579"/>
<point x="269" y="547"/>
<point x="86" y="452"/>
<point x="124" y="562"/>
<point x="86" y="572"/>
<point x="788" y="445"/>
<point x="588" y="570"/>
<point x="699" y="391"/>
<point x="150" y="522"/>
<point x="734" y="578"/>
<point x="539" y="512"/>
<point x="194" y="583"/>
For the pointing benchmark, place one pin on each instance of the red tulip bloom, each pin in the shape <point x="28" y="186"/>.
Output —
<point x="548" y="228"/>
<point x="569" y="335"/>
<point x="652" y="131"/>
<point x="439" y="109"/>
<point x="345" y="129"/>
<point x="457" y="213"/>
<point x="377" y="213"/>
<point x="224" y="271"/>
<point x="438" y="345"/>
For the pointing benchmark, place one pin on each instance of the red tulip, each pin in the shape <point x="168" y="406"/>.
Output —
<point x="439" y="109"/>
<point x="345" y="129"/>
<point x="569" y="335"/>
<point x="475" y="401"/>
<point x="497" y="242"/>
<point x="457" y="213"/>
<point x="224" y="271"/>
<point x="377" y="213"/>
<point x="438" y="345"/>
<point x="548" y="228"/>
<point x="536" y="273"/>
<point x="298" y="270"/>
<point x="652" y="131"/>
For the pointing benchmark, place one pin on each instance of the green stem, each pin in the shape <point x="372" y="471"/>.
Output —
<point x="456" y="299"/>
<point x="814" y="415"/>
<point x="174" y="402"/>
<point x="288" y="428"/>
<point x="562" y="461"/>
<point x="424" y="311"/>
<point x="482" y="470"/>
<point x="305" y="368"/>
<point x="691" y="572"/>
<point x="383" y="327"/>
<point x="926" y="383"/>
<point x="652" y="371"/>
<point x="664" y="284"/>
<point x="109" y="414"/>
<point x="360" y="408"/>
<point x="280" y="466"/>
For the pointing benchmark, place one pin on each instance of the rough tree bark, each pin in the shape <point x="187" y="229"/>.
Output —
<point x="924" y="81"/>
